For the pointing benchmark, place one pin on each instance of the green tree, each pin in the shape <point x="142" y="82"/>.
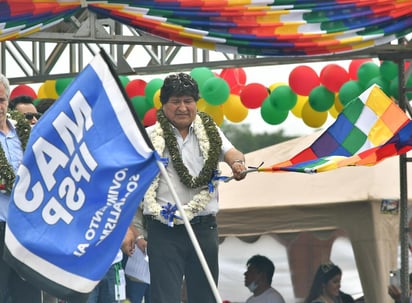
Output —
<point x="246" y="141"/>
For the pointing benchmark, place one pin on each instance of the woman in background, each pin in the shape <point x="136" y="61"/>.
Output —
<point x="326" y="285"/>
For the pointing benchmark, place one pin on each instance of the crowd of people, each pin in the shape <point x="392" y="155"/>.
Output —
<point x="194" y="146"/>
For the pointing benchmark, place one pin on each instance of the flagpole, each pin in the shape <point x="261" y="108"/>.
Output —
<point x="191" y="233"/>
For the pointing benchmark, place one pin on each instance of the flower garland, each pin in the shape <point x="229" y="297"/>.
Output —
<point x="210" y="145"/>
<point x="23" y="128"/>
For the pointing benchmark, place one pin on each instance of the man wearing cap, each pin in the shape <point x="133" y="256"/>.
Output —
<point x="192" y="146"/>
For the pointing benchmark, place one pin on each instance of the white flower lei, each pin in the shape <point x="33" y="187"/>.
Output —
<point x="200" y="200"/>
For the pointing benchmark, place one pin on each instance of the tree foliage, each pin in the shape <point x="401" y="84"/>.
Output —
<point x="246" y="141"/>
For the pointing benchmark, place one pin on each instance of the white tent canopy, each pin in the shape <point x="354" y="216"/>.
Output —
<point x="289" y="205"/>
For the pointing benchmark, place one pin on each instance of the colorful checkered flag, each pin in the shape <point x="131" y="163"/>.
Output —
<point x="370" y="128"/>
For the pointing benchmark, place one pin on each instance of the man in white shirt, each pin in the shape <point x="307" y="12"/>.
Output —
<point x="258" y="278"/>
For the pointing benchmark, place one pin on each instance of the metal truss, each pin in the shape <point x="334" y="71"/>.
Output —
<point x="65" y="49"/>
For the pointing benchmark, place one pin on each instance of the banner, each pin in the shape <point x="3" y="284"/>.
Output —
<point x="85" y="170"/>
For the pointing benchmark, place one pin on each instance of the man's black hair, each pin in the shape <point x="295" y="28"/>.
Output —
<point x="262" y="264"/>
<point x="20" y="99"/>
<point x="178" y="85"/>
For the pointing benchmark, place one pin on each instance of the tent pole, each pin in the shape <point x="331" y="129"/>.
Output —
<point x="403" y="224"/>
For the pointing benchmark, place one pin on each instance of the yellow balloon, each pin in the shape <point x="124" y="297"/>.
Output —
<point x="276" y="84"/>
<point x="216" y="112"/>
<point x="156" y="100"/>
<point x="201" y="104"/>
<point x="50" y="89"/>
<point x="313" y="118"/>
<point x="297" y="109"/>
<point x="333" y="112"/>
<point x="338" y="105"/>
<point x="234" y="110"/>
<point x="41" y="92"/>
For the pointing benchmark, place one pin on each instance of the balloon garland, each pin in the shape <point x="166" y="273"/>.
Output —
<point x="227" y="95"/>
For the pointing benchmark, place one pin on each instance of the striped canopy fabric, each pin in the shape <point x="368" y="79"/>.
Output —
<point x="254" y="27"/>
<point x="370" y="129"/>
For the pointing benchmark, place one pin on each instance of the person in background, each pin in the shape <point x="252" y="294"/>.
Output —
<point x="137" y="289"/>
<point x="43" y="104"/>
<point x="326" y="285"/>
<point x="24" y="104"/>
<point x="193" y="145"/>
<point x="258" y="279"/>
<point x="395" y="292"/>
<point x="13" y="139"/>
<point x="112" y="287"/>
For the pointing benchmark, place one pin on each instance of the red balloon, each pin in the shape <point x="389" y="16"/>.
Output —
<point x="150" y="117"/>
<point x="354" y="66"/>
<point x="333" y="76"/>
<point x="303" y="79"/>
<point x="236" y="89"/>
<point x="253" y="95"/>
<point x="23" y="89"/>
<point x="234" y="76"/>
<point x="135" y="88"/>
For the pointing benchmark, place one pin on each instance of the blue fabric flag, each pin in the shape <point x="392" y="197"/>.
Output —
<point x="87" y="166"/>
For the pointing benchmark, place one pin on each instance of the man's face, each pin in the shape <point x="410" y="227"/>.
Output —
<point x="180" y="111"/>
<point x="4" y="104"/>
<point x="29" y="110"/>
<point x="251" y="275"/>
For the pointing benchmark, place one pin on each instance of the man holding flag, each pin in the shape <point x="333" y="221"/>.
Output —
<point x="87" y="165"/>
<point x="192" y="145"/>
<point x="14" y="132"/>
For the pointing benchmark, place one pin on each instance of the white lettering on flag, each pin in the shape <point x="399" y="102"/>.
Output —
<point x="85" y="170"/>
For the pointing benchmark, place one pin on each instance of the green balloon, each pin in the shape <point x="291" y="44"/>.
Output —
<point x="201" y="75"/>
<point x="215" y="91"/>
<point x="388" y="70"/>
<point x="151" y="88"/>
<point x="124" y="80"/>
<point x="271" y="114"/>
<point x="61" y="84"/>
<point x="141" y="106"/>
<point x="394" y="88"/>
<point x="36" y="101"/>
<point x="349" y="91"/>
<point x="321" y="99"/>
<point x="283" y="98"/>
<point x="366" y="72"/>
<point x="382" y="83"/>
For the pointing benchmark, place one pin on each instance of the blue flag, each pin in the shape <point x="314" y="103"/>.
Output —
<point x="87" y="166"/>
